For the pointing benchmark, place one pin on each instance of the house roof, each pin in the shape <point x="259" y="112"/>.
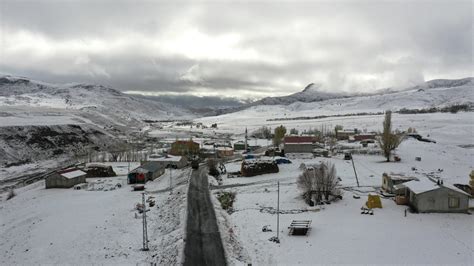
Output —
<point x="400" y="177"/>
<point x="425" y="185"/>
<point x="185" y="142"/>
<point x="72" y="174"/>
<point x="298" y="140"/>
<point x="147" y="167"/>
<point x="168" y="158"/>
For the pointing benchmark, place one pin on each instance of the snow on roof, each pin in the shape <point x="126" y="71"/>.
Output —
<point x="163" y="158"/>
<point x="400" y="177"/>
<point x="72" y="174"/>
<point x="421" y="186"/>
<point x="424" y="185"/>
<point x="171" y="158"/>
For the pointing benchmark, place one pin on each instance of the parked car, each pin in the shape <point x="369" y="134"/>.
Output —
<point x="282" y="160"/>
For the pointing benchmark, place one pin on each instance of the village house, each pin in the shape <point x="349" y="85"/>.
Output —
<point x="299" y="144"/>
<point x="345" y="134"/>
<point x="168" y="161"/>
<point x="364" y="136"/>
<point x="428" y="196"/>
<point x="184" y="147"/>
<point x="66" y="178"/>
<point x="224" y="151"/>
<point x="390" y="181"/>
<point x="147" y="171"/>
<point x="239" y="145"/>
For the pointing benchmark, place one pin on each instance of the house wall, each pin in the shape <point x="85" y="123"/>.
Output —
<point x="387" y="184"/>
<point x="239" y="146"/>
<point x="298" y="148"/>
<point x="438" y="201"/>
<point x="58" y="181"/>
<point x="180" y="148"/>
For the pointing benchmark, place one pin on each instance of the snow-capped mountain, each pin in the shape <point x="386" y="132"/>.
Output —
<point x="437" y="94"/>
<point x="93" y="102"/>
<point x="311" y="93"/>
<point x="315" y="93"/>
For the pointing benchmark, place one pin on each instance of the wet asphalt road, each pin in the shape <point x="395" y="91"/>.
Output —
<point x="203" y="241"/>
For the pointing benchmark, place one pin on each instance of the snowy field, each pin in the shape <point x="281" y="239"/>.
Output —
<point x="340" y="234"/>
<point x="66" y="226"/>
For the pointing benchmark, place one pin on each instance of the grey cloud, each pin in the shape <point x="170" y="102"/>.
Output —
<point x="284" y="45"/>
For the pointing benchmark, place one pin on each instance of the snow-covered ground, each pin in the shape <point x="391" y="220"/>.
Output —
<point x="340" y="234"/>
<point x="66" y="226"/>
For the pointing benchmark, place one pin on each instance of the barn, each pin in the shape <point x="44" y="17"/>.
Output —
<point x="145" y="172"/>
<point x="66" y="178"/>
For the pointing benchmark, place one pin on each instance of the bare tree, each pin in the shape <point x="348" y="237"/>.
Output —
<point x="318" y="182"/>
<point x="388" y="140"/>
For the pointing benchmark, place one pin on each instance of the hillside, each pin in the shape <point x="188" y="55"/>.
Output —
<point x="41" y="121"/>
<point x="98" y="104"/>
<point x="432" y="94"/>
<point x="315" y="93"/>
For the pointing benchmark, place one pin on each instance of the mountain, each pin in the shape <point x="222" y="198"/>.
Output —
<point x="41" y="121"/>
<point x="432" y="94"/>
<point x="99" y="104"/>
<point x="200" y="106"/>
<point x="314" y="93"/>
<point x="311" y="93"/>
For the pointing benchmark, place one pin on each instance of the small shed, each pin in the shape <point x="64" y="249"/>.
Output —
<point x="145" y="172"/>
<point x="66" y="178"/>
<point x="428" y="196"/>
<point x="390" y="181"/>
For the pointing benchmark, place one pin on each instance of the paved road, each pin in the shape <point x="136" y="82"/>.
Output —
<point x="203" y="241"/>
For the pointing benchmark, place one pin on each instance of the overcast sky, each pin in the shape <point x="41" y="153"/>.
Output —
<point x="237" y="48"/>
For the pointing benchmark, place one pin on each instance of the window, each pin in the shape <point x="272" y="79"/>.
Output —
<point x="453" y="202"/>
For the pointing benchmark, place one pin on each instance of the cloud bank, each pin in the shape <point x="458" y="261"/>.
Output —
<point x="237" y="49"/>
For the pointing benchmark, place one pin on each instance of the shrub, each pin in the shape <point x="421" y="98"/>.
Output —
<point x="227" y="200"/>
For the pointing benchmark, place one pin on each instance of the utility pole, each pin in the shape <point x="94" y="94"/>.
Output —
<point x="145" y="232"/>
<point x="353" y="166"/>
<point x="246" y="138"/>
<point x="171" y="188"/>
<point x="278" y="214"/>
